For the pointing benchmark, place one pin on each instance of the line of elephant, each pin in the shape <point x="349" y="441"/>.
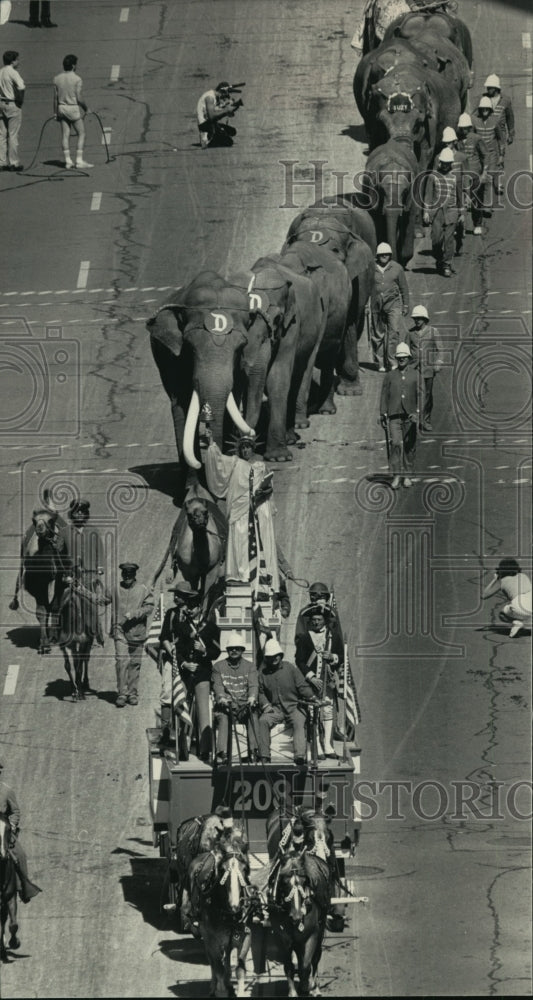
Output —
<point x="257" y="335"/>
<point x="408" y="90"/>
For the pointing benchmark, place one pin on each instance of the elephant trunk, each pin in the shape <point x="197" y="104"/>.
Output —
<point x="220" y="399"/>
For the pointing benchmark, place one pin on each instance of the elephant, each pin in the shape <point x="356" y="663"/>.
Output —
<point x="416" y="103"/>
<point x="328" y="273"/>
<point x="199" y="339"/>
<point x="335" y="226"/>
<point x="197" y="543"/>
<point x="291" y="304"/>
<point x="452" y="63"/>
<point x="440" y="23"/>
<point x="372" y="67"/>
<point x="387" y="187"/>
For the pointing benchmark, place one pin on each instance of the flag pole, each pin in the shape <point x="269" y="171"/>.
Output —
<point x="175" y="718"/>
<point x="344" y="691"/>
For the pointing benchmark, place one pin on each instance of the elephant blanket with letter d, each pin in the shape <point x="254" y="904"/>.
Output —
<point x="228" y="476"/>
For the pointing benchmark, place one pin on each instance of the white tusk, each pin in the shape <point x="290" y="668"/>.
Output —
<point x="190" y="430"/>
<point x="236" y="416"/>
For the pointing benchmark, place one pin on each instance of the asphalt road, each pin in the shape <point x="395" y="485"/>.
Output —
<point x="444" y="692"/>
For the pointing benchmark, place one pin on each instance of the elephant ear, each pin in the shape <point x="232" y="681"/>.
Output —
<point x="165" y="328"/>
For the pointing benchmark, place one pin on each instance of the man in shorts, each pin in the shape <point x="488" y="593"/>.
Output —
<point x="68" y="105"/>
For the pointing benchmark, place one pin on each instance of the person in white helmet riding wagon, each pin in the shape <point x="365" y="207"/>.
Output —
<point x="426" y="358"/>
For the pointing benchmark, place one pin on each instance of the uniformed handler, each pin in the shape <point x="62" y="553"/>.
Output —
<point x="399" y="416"/>
<point x="133" y="602"/>
<point x="9" y="808"/>
<point x="390" y="298"/>
<point x="443" y="208"/>
<point x="426" y="353"/>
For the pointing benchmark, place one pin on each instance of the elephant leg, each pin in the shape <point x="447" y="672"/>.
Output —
<point x="350" y="384"/>
<point x="302" y="399"/>
<point x="278" y="386"/>
<point x="327" y="389"/>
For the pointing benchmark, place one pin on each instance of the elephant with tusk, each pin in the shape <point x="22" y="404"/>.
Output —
<point x="198" y="340"/>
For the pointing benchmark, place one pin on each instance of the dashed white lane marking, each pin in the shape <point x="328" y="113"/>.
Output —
<point x="501" y="467"/>
<point x="448" y="293"/>
<point x="460" y="311"/>
<point x="124" y="15"/>
<point x="83" y="275"/>
<point x="106" y="136"/>
<point x="529" y="100"/>
<point x="115" y="73"/>
<point x="519" y="482"/>
<point x="440" y="312"/>
<point x="96" y="201"/>
<point x="452" y="467"/>
<point x="10" y="685"/>
<point x="526" y="40"/>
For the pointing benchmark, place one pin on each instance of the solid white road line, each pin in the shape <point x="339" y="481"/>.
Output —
<point x="11" y="678"/>
<point x="124" y="15"/>
<point x="83" y="274"/>
<point x="106" y="136"/>
<point x="96" y="201"/>
<point x="115" y="73"/>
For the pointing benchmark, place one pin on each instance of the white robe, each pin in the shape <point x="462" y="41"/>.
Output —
<point x="228" y="477"/>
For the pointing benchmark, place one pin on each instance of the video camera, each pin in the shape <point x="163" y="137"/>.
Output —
<point x="236" y="88"/>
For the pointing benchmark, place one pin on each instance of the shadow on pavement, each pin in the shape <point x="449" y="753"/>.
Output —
<point x="184" y="949"/>
<point x="59" y="689"/>
<point x="142" y="889"/>
<point x="355" y="132"/>
<point x="25" y="637"/>
<point x="160" y="477"/>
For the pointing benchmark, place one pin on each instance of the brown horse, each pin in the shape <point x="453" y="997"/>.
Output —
<point x="43" y="558"/>
<point x="299" y="900"/>
<point x="224" y="900"/>
<point x="8" y="891"/>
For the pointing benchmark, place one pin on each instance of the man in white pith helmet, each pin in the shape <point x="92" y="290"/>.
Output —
<point x="399" y="414"/>
<point x="476" y="156"/>
<point x="390" y="298"/>
<point x="282" y="696"/>
<point x="489" y="128"/>
<point x="501" y="105"/>
<point x="426" y="358"/>
<point x="235" y="689"/>
<point x="443" y="209"/>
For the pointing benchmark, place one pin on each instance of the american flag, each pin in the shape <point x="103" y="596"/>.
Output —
<point x="152" y="642"/>
<point x="179" y="694"/>
<point x="254" y="536"/>
<point x="352" y="711"/>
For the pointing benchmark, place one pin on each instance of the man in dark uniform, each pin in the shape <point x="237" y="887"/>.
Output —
<point x="133" y="602"/>
<point x="282" y="690"/>
<point x="399" y="416"/>
<point x="320" y="598"/>
<point x="193" y="642"/>
<point x="320" y="656"/>
<point x="9" y="808"/>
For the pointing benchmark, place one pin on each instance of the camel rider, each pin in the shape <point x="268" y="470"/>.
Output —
<point x="390" y="298"/>
<point x="476" y="157"/>
<point x="9" y="808"/>
<point x="319" y="655"/>
<point x="212" y="107"/>
<point x="192" y="643"/>
<point x="443" y="208"/>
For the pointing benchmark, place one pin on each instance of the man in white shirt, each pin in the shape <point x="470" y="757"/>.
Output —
<point x="12" y="88"/>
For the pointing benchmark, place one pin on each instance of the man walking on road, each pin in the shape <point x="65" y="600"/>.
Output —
<point x="67" y="104"/>
<point x="12" y="90"/>
<point x="133" y="602"/>
<point x="399" y="417"/>
<point x="443" y="201"/>
<point x="390" y="299"/>
<point x="426" y="353"/>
